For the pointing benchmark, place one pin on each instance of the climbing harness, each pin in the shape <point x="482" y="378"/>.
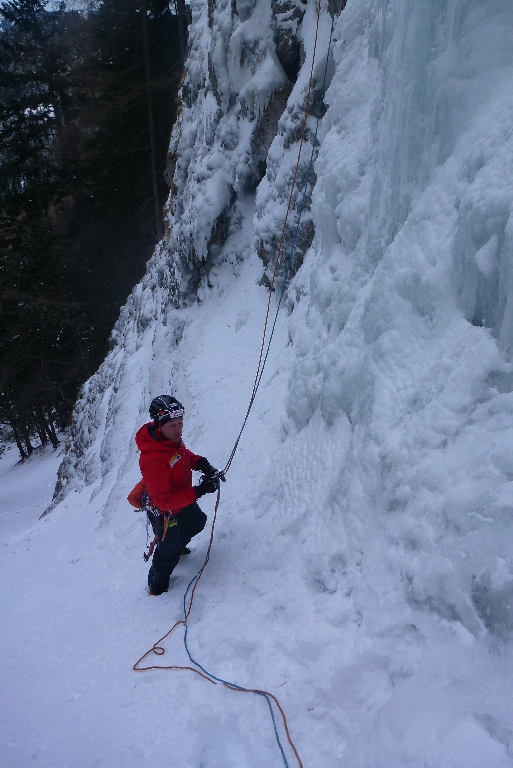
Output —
<point x="156" y="519"/>
<point x="152" y="546"/>
<point x="168" y="523"/>
<point x="157" y="648"/>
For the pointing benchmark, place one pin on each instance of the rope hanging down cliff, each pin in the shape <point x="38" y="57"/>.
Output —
<point x="157" y="648"/>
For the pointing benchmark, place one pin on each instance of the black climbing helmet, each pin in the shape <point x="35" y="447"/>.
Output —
<point x="164" y="408"/>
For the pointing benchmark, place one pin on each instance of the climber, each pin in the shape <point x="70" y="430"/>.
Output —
<point x="166" y="492"/>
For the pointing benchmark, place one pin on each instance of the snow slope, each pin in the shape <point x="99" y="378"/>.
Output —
<point x="362" y="567"/>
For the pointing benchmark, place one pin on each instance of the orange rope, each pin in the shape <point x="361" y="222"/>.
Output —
<point x="280" y="245"/>
<point x="282" y="713"/>
<point x="157" y="648"/>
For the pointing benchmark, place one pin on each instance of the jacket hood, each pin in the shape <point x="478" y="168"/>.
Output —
<point x="145" y="442"/>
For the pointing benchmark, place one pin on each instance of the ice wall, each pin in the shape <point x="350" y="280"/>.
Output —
<point x="400" y="334"/>
<point x="406" y="328"/>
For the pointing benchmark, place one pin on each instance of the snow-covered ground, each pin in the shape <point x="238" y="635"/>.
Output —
<point x="363" y="676"/>
<point x="74" y="595"/>
<point x="362" y="568"/>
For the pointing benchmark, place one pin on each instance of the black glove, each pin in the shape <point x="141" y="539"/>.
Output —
<point x="202" y="465"/>
<point x="207" y="485"/>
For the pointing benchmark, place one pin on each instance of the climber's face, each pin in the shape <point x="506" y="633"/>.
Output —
<point x="172" y="430"/>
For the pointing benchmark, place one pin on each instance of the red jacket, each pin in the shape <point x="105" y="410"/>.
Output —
<point x="166" y="469"/>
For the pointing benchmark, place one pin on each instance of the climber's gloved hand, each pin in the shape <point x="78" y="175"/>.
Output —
<point x="207" y="485"/>
<point x="203" y="465"/>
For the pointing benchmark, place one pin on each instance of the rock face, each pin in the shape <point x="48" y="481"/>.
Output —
<point x="236" y="140"/>
<point x="287" y="16"/>
<point x="243" y="104"/>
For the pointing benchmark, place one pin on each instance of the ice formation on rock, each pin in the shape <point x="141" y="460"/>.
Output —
<point x="398" y="353"/>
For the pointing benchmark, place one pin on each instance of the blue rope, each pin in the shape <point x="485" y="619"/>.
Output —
<point x="220" y="679"/>
<point x="285" y="283"/>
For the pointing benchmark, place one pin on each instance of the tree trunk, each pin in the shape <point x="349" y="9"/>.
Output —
<point x="12" y="424"/>
<point x="151" y="122"/>
<point x="23" y="455"/>
<point x="51" y="432"/>
<point x="40" y="429"/>
<point x="26" y="439"/>
<point x="182" y="28"/>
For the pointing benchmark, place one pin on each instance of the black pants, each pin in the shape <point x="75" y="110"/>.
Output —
<point x="189" y="521"/>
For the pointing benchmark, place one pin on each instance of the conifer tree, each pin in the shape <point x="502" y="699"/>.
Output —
<point x="77" y="212"/>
